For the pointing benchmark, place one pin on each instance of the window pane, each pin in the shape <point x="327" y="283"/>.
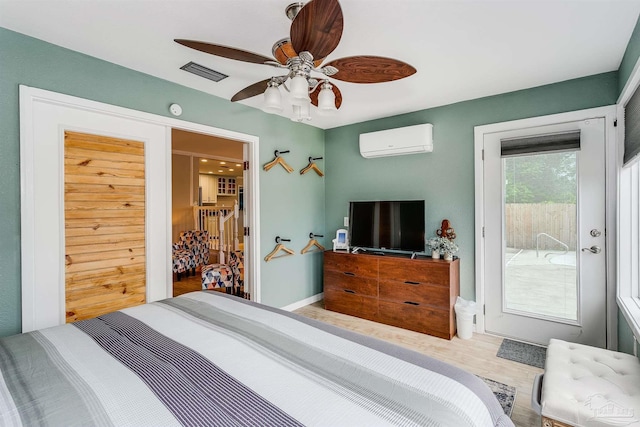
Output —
<point x="540" y="195"/>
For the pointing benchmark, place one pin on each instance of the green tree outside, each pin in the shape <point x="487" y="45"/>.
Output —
<point x="541" y="178"/>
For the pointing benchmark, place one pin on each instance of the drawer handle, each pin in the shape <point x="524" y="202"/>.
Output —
<point x="411" y="283"/>
<point x="349" y="273"/>
<point x="349" y="291"/>
<point x="412" y="303"/>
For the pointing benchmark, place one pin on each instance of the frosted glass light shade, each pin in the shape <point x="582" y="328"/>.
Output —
<point x="272" y="100"/>
<point x="299" y="91"/>
<point x="301" y="112"/>
<point x="327" y="101"/>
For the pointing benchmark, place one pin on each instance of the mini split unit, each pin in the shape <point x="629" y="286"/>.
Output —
<point x="396" y="142"/>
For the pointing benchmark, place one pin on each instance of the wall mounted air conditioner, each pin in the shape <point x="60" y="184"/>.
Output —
<point x="396" y="142"/>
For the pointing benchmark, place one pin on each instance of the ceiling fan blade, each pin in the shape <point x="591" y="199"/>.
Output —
<point x="224" y="51"/>
<point x="317" y="28"/>
<point x="253" y="90"/>
<point x="370" y="69"/>
<point x="314" y="95"/>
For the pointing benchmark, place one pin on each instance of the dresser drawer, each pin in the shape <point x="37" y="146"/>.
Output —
<point x="416" y="294"/>
<point x="436" y="296"/>
<point x="352" y="264"/>
<point x="352" y="304"/>
<point x="402" y="270"/>
<point x="419" y="318"/>
<point x="352" y="284"/>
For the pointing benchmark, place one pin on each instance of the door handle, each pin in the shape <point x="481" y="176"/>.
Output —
<point x="595" y="249"/>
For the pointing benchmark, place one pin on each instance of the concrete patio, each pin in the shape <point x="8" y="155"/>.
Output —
<point x="542" y="284"/>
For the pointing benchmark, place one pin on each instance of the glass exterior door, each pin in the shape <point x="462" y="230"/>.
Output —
<point x="540" y="224"/>
<point x="544" y="244"/>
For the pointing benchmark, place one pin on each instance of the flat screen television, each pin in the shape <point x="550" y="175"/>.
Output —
<point x="387" y="225"/>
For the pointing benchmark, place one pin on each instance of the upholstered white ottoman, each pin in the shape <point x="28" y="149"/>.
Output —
<point x="588" y="386"/>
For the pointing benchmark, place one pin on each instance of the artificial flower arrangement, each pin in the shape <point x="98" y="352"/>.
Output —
<point x="442" y="246"/>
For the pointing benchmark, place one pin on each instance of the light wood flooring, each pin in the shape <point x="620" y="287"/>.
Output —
<point x="476" y="355"/>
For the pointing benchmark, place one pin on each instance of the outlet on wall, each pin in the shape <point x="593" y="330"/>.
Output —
<point x="346" y="221"/>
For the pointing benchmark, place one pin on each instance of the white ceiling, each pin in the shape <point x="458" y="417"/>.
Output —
<point x="462" y="49"/>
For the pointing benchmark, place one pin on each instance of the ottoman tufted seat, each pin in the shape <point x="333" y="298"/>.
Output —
<point x="588" y="386"/>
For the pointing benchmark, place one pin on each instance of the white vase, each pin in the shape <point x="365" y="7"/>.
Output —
<point x="435" y="254"/>
<point x="448" y="257"/>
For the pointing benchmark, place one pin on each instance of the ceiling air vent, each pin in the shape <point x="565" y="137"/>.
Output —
<point x="202" y="71"/>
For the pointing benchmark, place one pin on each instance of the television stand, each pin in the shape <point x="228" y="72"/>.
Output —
<point x="416" y="294"/>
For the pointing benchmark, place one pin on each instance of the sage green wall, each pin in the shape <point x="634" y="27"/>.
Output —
<point x="445" y="177"/>
<point x="629" y="60"/>
<point x="631" y="54"/>
<point x="291" y="205"/>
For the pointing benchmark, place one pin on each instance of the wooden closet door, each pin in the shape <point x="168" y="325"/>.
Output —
<point x="104" y="207"/>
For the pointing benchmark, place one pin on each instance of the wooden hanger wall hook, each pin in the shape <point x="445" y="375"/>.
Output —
<point x="278" y="161"/>
<point x="279" y="248"/>
<point x="312" y="166"/>
<point x="313" y="243"/>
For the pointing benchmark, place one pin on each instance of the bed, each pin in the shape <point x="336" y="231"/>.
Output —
<point x="206" y="358"/>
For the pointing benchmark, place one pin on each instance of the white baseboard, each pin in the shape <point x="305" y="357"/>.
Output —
<point x="302" y="303"/>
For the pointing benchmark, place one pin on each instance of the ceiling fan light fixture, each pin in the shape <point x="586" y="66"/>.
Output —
<point x="300" y="90"/>
<point x="301" y="112"/>
<point x="272" y="100"/>
<point x="327" y="99"/>
<point x="315" y="32"/>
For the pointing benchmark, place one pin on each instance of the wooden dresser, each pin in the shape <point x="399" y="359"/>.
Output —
<point x="416" y="294"/>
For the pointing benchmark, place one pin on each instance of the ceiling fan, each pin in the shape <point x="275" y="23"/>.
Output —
<point x="315" y="32"/>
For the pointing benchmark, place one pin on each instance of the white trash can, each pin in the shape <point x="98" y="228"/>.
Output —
<point x="465" y="310"/>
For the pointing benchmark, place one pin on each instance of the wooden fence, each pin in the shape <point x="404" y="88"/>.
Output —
<point x="524" y="223"/>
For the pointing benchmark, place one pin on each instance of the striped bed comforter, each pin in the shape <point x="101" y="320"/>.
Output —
<point x="208" y="359"/>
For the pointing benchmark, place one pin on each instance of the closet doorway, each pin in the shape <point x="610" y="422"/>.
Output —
<point x="209" y="189"/>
